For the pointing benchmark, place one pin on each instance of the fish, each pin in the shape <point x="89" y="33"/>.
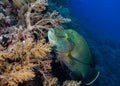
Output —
<point x="75" y="53"/>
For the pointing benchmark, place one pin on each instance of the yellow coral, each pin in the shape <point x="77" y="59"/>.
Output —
<point x="40" y="49"/>
<point x="71" y="83"/>
<point x="25" y="52"/>
<point x="50" y="82"/>
<point x="17" y="73"/>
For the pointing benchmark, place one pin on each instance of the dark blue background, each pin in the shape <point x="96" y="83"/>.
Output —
<point x="100" y="16"/>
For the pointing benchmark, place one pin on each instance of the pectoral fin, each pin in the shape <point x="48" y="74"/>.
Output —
<point x="79" y="61"/>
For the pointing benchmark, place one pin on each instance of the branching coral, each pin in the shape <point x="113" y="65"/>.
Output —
<point x="16" y="73"/>
<point x="71" y="83"/>
<point x="42" y="23"/>
<point x="40" y="49"/>
<point x="27" y="50"/>
<point x="36" y="22"/>
<point x="50" y="82"/>
<point x="23" y="47"/>
<point x="21" y="70"/>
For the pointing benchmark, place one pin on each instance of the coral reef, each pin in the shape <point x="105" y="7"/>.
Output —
<point x="71" y="83"/>
<point x="24" y="49"/>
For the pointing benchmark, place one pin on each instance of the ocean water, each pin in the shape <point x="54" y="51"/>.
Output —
<point x="99" y="22"/>
<point x="102" y="16"/>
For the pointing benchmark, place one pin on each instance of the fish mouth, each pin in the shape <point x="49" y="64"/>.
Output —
<point x="51" y="36"/>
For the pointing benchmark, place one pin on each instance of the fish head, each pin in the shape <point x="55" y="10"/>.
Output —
<point x="59" y="39"/>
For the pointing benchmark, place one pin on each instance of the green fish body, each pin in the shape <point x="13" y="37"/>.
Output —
<point x="75" y="52"/>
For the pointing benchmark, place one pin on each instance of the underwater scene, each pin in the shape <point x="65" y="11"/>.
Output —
<point x="59" y="43"/>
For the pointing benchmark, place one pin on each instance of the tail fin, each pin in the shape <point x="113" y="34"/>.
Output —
<point x="96" y="75"/>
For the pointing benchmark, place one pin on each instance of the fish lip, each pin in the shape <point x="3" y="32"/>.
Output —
<point x="51" y="36"/>
<point x="52" y="30"/>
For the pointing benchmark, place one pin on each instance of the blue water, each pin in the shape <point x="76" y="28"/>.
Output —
<point x="99" y="23"/>
<point x="102" y="16"/>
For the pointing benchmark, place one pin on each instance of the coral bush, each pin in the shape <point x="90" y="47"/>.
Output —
<point x="71" y="83"/>
<point x="24" y="49"/>
<point x="23" y="58"/>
